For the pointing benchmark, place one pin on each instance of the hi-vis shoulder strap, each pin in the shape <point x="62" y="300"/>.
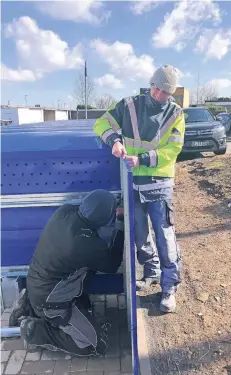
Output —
<point x="137" y="142"/>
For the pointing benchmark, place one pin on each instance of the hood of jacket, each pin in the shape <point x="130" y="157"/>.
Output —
<point x="98" y="208"/>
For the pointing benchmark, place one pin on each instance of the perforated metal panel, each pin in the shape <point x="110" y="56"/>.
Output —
<point x="64" y="158"/>
<point x="47" y="162"/>
<point x="52" y="172"/>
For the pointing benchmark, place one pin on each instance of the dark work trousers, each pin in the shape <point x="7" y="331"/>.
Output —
<point x="73" y="330"/>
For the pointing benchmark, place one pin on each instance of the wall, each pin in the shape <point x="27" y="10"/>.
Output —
<point x="61" y="115"/>
<point x="10" y="114"/>
<point x="49" y="115"/>
<point x="30" y="115"/>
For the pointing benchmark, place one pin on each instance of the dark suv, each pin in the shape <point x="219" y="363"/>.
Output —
<point x="203" y="133"/>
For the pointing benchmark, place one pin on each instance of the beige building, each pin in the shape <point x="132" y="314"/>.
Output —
<point x="181" y="97"/>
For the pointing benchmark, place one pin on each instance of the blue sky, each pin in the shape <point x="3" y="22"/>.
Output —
<point x="44" y="45"/>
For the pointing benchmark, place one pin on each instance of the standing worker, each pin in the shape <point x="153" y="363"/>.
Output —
<point x="152" y="127"/>
<point x="68" y="254"/>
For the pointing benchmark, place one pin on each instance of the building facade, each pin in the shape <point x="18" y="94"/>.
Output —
<point x="30" y="115"/>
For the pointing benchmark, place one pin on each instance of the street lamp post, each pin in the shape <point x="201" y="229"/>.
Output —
<point x="26" y="99"/>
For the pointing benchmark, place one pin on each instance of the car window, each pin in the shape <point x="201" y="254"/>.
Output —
<point x="197" y="115"/>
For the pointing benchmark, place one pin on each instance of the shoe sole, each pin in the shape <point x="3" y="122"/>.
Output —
<point x="162" y="309"/>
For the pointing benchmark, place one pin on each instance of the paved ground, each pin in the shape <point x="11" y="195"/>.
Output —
<point x="117" y="361"/>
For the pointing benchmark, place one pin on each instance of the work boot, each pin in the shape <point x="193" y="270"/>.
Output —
<point x="27" y="330"/>
<point x="168" y="303"/>
<point x="20" y="309"/>
<point x="146" y="282"/>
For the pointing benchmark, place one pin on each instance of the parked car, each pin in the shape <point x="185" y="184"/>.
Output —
<point x="225" y="119"/>
<point x="203" y="132"/>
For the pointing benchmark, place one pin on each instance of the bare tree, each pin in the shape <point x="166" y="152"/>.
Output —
<point x="202" y="93"/>
<point x="105" y="101"/>
<point x="79" y="92"/>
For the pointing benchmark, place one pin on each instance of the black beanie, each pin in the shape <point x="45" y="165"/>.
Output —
<point x="98" y="208"/>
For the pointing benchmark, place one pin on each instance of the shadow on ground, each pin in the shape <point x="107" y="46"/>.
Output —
<point x="205" y="231"/>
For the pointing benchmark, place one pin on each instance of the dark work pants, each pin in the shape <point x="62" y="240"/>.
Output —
<point x="92" y="340"/>
<point x="74" y="329"/>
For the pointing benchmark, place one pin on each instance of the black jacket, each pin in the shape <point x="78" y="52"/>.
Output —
<point x="68" y="243"/>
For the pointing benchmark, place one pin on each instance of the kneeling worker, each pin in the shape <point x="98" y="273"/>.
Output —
<point x="67" y="256"/>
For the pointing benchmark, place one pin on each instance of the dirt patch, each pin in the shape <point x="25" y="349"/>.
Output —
<point x="213" y="175"/>
<point x="197" y="339"/>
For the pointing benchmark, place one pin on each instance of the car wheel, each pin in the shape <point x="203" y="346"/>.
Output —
<point x="220" y="152"/>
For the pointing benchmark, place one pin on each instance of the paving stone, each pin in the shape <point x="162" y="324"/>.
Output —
<point x="112" y="352"/>
<point x="15" y="362"/>
<point x="113" y="373"/>
<point x="112" y="301"/>
<point x="103" y="364"/>
<point x="38" y="367"/>
<point x="113" y="339"/>
<point x="122" y="304"/>
<point x="79" y="364"/>
<point x="99" y="309"/>
<point x="5" y="355"/>
<point x="54" y="355"/>
<point x="126" y="362"/>
<point x="13" y="344"/>
<point x="33" y="356"/>
<point x="98" y="298"/>
<point x="87" y="373"/>
<point x="123" y="318"/>
<point x="62" y="367"/>
<point x="125" y="338"/>
<point x="113" y="314"/>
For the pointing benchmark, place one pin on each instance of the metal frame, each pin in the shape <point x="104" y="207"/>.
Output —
<point x="130" y="264"/>
<point x="45" y="199"/>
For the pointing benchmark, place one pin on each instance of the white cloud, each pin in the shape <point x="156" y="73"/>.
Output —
<point x="214" y="44"/>
<point x="123" y="61"/>
<point x="109" y="80"/>
<point x="139" y="7"/>
<point x="18" y="75"/>
<point x="42" y="51"/>
<point x="90" y="11"/>
<point x="223" y="86"/>
<point x="184" y="22"/>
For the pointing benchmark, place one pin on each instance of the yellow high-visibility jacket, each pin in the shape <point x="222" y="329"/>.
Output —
<point x="150" y="130"/>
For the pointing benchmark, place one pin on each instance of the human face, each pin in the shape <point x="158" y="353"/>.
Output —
<point x="159" y="95"/>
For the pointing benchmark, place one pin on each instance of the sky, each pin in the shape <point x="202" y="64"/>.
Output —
<point x="45" y="43"/>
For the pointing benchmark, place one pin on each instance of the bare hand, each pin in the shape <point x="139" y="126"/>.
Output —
<point x="133" y="161"/>
<point x="119" y="150"/>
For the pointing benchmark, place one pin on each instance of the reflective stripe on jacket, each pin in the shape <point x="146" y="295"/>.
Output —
<point x="153" y="131"/>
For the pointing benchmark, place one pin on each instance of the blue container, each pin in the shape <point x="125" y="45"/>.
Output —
<point x="43" y="167"/>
